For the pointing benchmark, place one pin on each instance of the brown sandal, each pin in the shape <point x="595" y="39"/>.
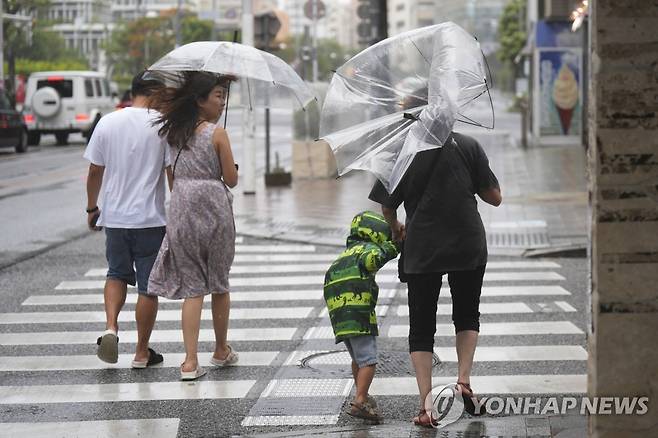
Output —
<point x="424" y="419"/>
<point x="468" y="396"/>
<point x="363" y="411"/>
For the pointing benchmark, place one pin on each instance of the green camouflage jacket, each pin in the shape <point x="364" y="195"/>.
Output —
<point x="350" y="290"/>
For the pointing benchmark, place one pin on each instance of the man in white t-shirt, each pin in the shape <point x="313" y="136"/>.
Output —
<point x="129" y="162"/>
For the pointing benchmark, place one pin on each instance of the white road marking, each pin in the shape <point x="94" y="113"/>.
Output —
<point x="116" y="392"/>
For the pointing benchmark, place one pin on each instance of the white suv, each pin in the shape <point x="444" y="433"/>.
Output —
<point x="62" y="102"/>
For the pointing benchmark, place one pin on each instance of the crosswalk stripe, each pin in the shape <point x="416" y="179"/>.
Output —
<point x="319" y="280"/>
<point x="130" y="337"/>
<point x="384" y="278"/>
<point x="500" y="329"/>
<point x="163" y="315"/>
<point x="565" y="306"/>
<point x="449" y="354"/>
<point x="160" y="427"/>
<point x="115" y="392"/>
<point x="518" y="353"/>
<point x="269" y="268"/>
<point x="91" y="362"/>
<point x="295" y="295"/>
<point x="499" y="385"/>
<point x="273" y="248"/>
<point x="500" y="308"/>
<point x="486" y="329"/>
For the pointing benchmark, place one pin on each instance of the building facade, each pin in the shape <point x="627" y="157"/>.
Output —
<point x="478" y="17"/>
<point x="405" y="15"/>
<point x="85" y="26"/>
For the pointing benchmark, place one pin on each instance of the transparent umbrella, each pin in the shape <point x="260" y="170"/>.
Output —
<point x="268" y="80"/>
<point x="402" y="96"/>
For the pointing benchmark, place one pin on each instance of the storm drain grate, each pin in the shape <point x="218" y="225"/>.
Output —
<point x="338" y="362"/>
<point x="528" y="239"/>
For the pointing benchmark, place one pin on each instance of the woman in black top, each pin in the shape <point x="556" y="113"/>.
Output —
<point x="443" y="234"/>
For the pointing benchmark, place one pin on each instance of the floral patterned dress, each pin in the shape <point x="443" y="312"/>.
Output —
<point x="198" y="249"/>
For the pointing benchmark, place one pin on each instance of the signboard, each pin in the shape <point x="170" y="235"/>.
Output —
<point x="557" y="84"/>
<point x="320" y="8"/>
<point x="558" y="101"/>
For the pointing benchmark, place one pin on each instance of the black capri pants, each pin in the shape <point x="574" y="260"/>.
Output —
<point x="423" y="295"/>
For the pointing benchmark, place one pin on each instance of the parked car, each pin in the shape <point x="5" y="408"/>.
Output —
<point x="64" y="102"/>
<point x="126" y="100"/>
<point x="13" y="132"/>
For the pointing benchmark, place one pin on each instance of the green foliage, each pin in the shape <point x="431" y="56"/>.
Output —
<point x="331" y="55"/>
<point x="137" y="44"/>
<point x="512" y="35"/>
<point x="50" y="46"/>
<point x="27" y="66"/>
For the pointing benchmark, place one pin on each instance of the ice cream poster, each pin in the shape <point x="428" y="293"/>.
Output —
<point x="560" y="85"/>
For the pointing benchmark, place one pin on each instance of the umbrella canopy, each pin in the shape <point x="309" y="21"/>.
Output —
<point x="269" y="81"/>
<point x="401" y="96"/>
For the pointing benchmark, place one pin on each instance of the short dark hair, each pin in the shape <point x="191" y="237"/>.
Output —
<point x="143" y="87"/>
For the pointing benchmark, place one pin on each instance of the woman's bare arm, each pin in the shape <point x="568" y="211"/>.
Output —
<point x="223" y="148"/>
<point x="491" y="196"/>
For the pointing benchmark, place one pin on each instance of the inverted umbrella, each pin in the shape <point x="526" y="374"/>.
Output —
<point x="402" y="96"/>
<point x="267" y="77"/>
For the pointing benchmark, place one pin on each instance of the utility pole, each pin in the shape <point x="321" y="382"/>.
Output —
<point x="315" y="40"/>
<point x="248" y="128"/>
<point x="177" y="24"/>
<point x="213" y="33"/>
<point x="2" y="47"/>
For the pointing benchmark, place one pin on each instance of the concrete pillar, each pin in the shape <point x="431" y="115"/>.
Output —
<point x="623" y="139"/>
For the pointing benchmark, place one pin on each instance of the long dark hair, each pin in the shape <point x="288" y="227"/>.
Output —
<point x="179" y="108"/>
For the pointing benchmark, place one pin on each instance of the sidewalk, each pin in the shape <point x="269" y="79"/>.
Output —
<point x="516" y="426"/>
<point x="544" y="197"/>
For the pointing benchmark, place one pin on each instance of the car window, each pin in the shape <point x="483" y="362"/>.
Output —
<point x="63" y="87"/>
<point x="4" y="102"/>
<point x="99" y="92"/>
<point x="89" y="88"/>
<point x="106" y="87"/>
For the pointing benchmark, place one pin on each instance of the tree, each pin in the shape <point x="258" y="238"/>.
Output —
<point x="511" y="35"/>
<point x="330" y="56"/>
<point x="136" y="45"/>
<point x="15" y="35"/>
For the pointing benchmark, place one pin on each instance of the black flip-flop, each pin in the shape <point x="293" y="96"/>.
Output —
<point x="154" y="359"/>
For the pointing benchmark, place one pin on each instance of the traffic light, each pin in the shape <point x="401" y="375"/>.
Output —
<point x="266" y="27"/>
<point x="373" y="23"/>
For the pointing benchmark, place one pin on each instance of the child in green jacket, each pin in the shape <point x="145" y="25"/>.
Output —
<point x="350" y="292"/>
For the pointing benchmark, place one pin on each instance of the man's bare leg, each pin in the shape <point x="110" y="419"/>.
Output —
<point x="145" y="312"/>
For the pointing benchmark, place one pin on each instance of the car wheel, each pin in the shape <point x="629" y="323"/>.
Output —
<point x="62" y="138"/>
<point x="21" y="146"/>
<point x="33" y="138"/>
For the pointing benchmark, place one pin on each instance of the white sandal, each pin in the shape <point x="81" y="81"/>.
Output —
<point x="231" y="358"/>
<point x="192" y="375"/>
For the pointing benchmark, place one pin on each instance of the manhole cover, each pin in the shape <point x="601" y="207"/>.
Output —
<point x="338" y="362"/>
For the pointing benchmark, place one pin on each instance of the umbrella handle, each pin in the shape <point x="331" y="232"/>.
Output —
<point x="228" y="91"/>
<point x="228" y="94"/>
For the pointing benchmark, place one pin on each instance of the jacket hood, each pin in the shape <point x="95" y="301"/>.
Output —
<point x="369" y="226"/>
